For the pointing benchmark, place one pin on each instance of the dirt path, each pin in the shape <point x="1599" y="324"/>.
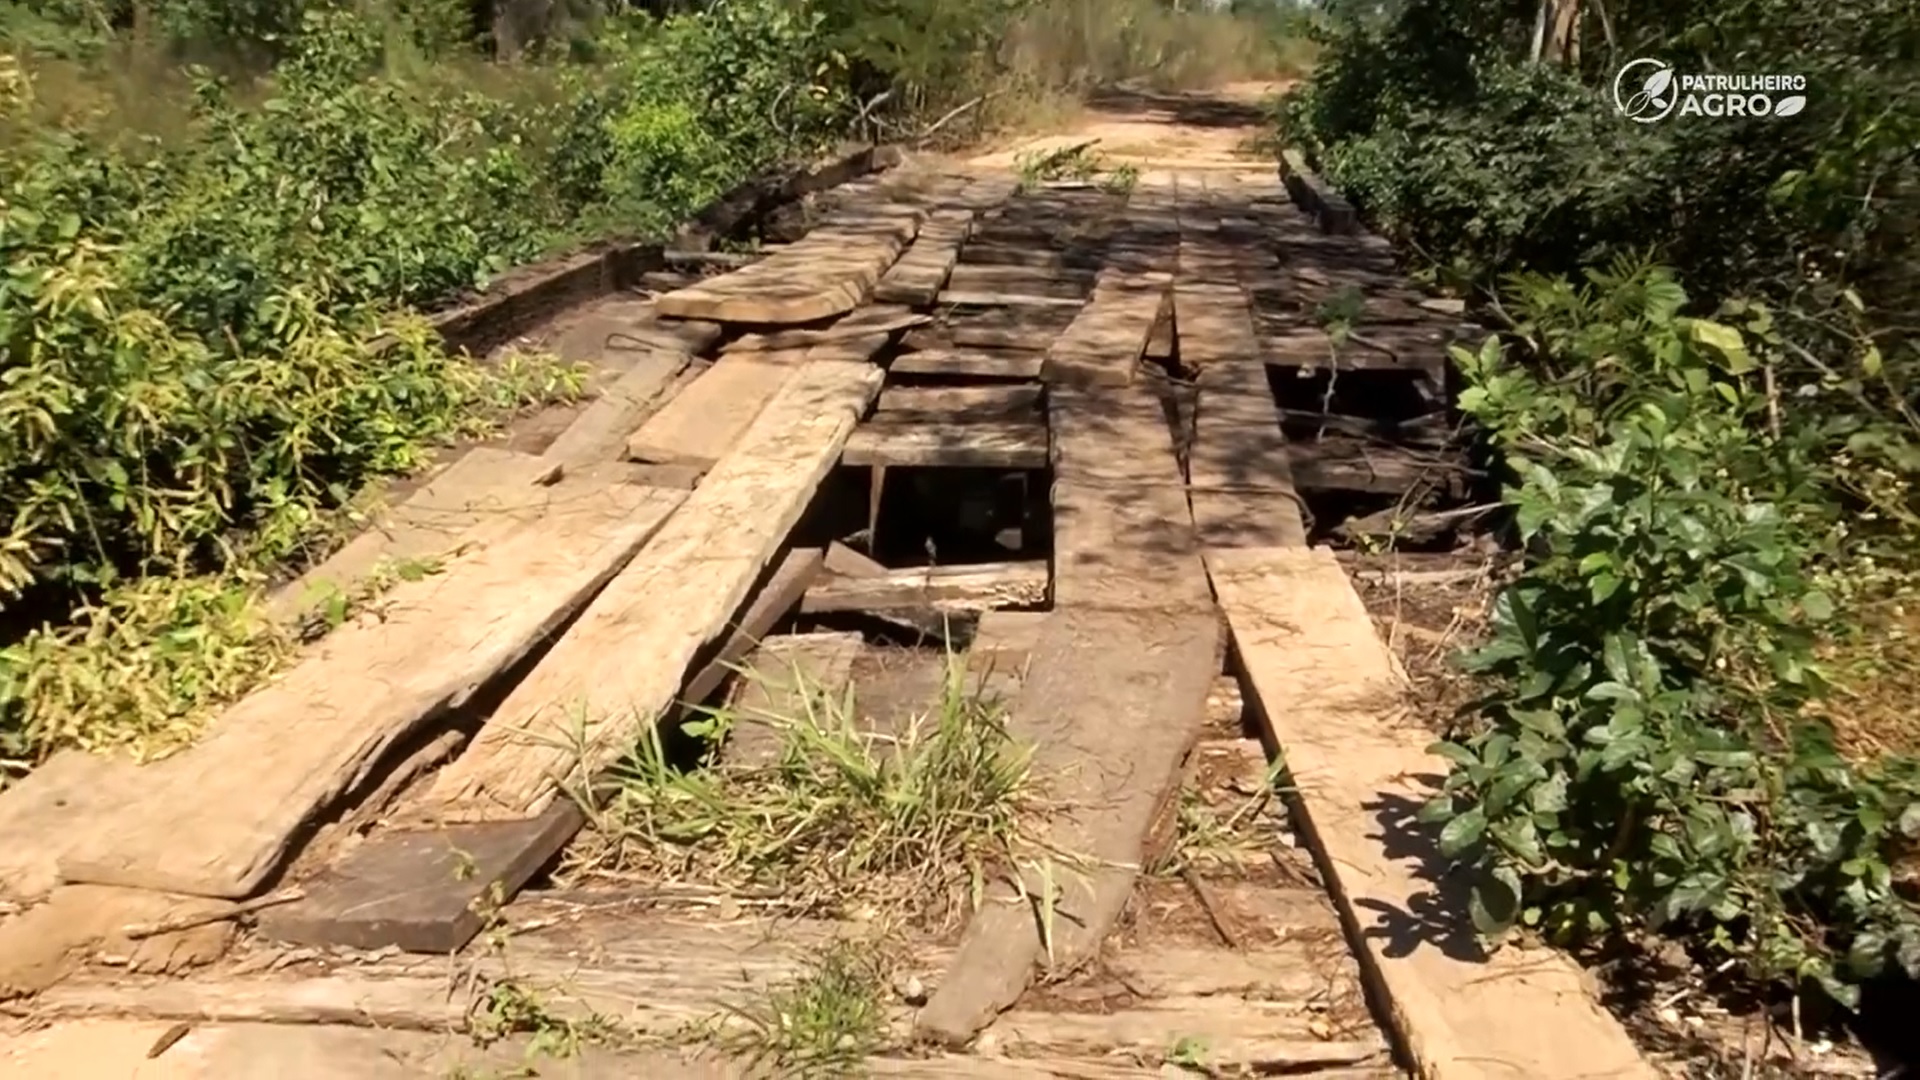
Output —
<point x="1216" y="129"/>
<point x="951" y="501"/>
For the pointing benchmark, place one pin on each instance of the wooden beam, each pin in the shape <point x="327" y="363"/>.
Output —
<point x="619" y="666"/>
<point x="1104" y="343"/>
<point x="828" y="272"/>
<point x="966" y="588"/>
<point x="1115" y="696"/>
<point x="917" y="277"/>
<point x="704" y="421"/>
<point x="956" y="403"/>
<point x="1327" y="694"/>
<point x="969" y="363"/>
<point x="982" y="298"/>
<point x="888" y="443"/>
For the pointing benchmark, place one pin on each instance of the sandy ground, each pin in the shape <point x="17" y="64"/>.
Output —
<point x="1150" y="130"/>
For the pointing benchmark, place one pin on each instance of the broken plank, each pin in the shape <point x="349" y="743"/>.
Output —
<point x="428" y="890"/>
<point x="830" y="271"/>
<point x="999" y="444"/>
<point x="1327" y="695"/>
<point x="1104" y="343"/>
<point x="955" y="403"/>
<point x="706" y="419"/>
<point x="790" y="679"/>
<point x="601" y="431"/>
<point x="621" y="663"/>
<point x="217" y="818"/>
<point x="844" y="562"/>
<point x="1115" y="697"/>
<point x="974" y="587"/>
<point x="969" y="363"/>
<point x="917" y="277"/>
<point x="1112" y="701"/>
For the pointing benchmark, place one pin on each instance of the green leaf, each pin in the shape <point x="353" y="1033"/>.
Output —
<point x="1818" y="605"/>
<point x="1495" y="902"/>
<point x="1910" y="821"/>
<point x="1463" y="832"/>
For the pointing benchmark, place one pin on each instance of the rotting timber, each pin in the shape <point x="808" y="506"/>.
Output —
<point x="1081" y="438"/>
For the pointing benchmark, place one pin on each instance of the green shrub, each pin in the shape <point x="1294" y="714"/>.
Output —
<point x="1644" y="758"/>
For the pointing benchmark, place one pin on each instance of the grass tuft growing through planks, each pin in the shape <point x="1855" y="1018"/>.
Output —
<point x="1213" y="834"/>
<point x="841" y="819"/>
<point x="823" y="1023"/>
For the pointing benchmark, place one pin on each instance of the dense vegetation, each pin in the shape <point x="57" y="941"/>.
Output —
<point x="1699" y="687"/>
<point x="211" y="212"/>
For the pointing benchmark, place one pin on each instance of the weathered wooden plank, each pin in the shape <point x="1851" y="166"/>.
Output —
<point x="788" y="679"/>
<point x="422" y="890"/>
<point x="987" y="298"/>
<point x="955" y="403"/>
<point x="624" y="659"/>
<point x="108" y="1048"/>
<point x="601" y="431"/>
<point x="992" y="328"/>
<point x="1215" y="324"/>
<point x="917" y="277"/>
<point x="1239" y="472"/>
<point x="969" y="363"/>
<point x="1027" y="281"/>
<point x="828" y="272"/>
<point x="1234" y="1033"/>
<point x="974" y="587"/>
<point x="1120" y="515"/>
<point x="1414" y="349"/>
<point x="1326" y="693"/>
<point x="1002" y="444"/>
<point x="1111" y="703"/>
<point x="1115" y="696"/>
<point x="484" y="482"/>
<point x="1344" y="464"/>
<point x="862" y="322"/>
<point x="397" y="888"/>
<point x="216" y="819"/>
<point x="706" y="419"/>
<point x="1104" y="343"/>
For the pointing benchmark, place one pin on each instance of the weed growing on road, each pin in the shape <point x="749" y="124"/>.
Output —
<point x="823" y="1023"/>
<point x="842" y="816"/>
<point x="1076" y="164"/>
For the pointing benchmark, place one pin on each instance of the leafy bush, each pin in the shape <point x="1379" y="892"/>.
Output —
<point x="194" y="378"/>
<point x="1644" y="759"/>
<point x="1710" y="504"/>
